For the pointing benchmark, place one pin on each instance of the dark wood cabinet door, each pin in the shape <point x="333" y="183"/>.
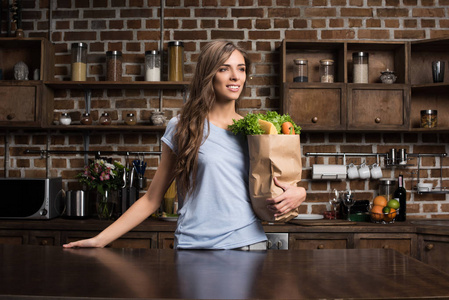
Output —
<point x="316" y="106"/>
<point x="14" y="237"/>
<point x="44" y="238"/>
<point x="433" y="250"/>
<point x="379" y="106"/>
<point x="166" y="240"/>
<point x="21" y="104"/>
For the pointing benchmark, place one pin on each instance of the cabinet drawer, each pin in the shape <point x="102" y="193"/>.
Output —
<point x="403" y="243"/>
<point x="319" y="241"/>
<point x="315" y="106"/>
<point x="13" y="237"/>
<point x="22" y="108"/>
<point x="378" y="107"/>
<point x="147" y="240"/>
<point x="166" y="240"/>
<point x="45" y="238"/>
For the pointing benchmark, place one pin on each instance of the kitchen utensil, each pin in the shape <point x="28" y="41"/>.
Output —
<point x="438" y="71"/>
<point x="77" y="205"/>
<point x="402" y="156"/>
<point x="391" y="157"/>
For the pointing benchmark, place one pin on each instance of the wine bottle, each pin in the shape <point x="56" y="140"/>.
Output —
<point x="401" y="194"/>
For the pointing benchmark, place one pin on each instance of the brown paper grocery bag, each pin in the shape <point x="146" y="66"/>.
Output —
<point x="272" y="156"/>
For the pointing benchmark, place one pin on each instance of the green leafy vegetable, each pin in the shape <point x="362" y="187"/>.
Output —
<point x="249" y="125"/>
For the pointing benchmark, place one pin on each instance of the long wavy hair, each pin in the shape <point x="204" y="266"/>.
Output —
<point x="195" y="112"/>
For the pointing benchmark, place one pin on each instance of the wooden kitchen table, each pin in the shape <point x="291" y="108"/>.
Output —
<point x="45" y="272"/>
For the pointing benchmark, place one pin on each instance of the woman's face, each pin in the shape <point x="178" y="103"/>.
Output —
<point x="230" y="78"/>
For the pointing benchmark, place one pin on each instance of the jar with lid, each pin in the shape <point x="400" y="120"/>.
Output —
<point x="79" y="61"/>
<point x="130" y="119"/>
<point x="105" y="119"/>
<point x="86" y="119"/>
<point x="113" y="65"/>
<point x="327" y="70"/>
<point x="152" y="66"/>
<point x="429" y="118"/>
<point x="175" y="61"/>
<point x="300" y="70"/>
<point x="387" y="188"/>
<point x="360" y="67"/>
<point x="65" y="119"/>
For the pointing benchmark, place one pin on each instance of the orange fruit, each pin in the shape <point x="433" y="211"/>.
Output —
<point x="391" y="215"/>
<point x="380" y="201"/>
<point x="376" y="213"/>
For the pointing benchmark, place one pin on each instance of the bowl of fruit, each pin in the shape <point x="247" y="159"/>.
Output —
<point x="384" y="211"/>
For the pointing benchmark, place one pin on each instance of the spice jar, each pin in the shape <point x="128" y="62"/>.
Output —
<point x="86" y="119"/>
<point x="387" y="188"/>
<point x="360" y="67"/>
<point x="114" y="65"/>
<point x="429" y="118"/>
<point x="175" y="61"/>
<point x="152" y="66"/>
<point x="105" y="119"/>
<point x="327" y="70"/>
<point x="65" y="119"/>
<point x="300" y="70"/>
<point x="130" y="119"/>
<point x="79" y="61"/>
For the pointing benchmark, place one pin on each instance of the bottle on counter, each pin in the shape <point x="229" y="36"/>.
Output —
<point x="401" y="194"/>
<point x="79" y="61"/>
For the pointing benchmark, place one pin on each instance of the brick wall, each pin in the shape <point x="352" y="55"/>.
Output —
<point x="133" y="26"/>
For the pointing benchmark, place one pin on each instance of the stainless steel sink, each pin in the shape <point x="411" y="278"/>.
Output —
<point x="431" y="222"/>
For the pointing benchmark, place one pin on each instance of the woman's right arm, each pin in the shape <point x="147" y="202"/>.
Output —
<point x="140" y="210"/>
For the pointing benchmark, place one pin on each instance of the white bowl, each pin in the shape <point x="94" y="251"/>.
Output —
<point x="424" y="187"/>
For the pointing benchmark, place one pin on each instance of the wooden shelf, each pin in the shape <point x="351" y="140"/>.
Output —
<point x="156" y="85"/>
<point x="118" y="127"/>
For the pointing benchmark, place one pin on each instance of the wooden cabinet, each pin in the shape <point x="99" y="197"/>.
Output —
<point x="311" y="241"/>
<point x="30" y="237"/>
<point x="343" y="105"/>
<point x="404" y="243"/>
<point x="26" y="103"/>
<point x="425" y="94"/>
<point x="166" y="240"/>
<point x="433" y="250"/>
<point x="147" y="240"/>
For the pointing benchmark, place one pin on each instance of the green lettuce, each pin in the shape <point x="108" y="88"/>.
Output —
<point x="249" y="125"/>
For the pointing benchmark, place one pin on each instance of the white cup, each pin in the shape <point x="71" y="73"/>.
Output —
<point x="353" y="173"/>
<point x="364" y="172"/>
<point x="376" y="171"/>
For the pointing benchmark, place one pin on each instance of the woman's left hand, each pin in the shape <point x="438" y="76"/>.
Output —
<point x="291" y="198"/>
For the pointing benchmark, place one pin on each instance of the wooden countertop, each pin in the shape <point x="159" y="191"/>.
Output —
<point x="44" y="272"/>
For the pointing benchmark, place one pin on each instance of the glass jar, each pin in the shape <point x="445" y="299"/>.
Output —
<point x="175" y="61"/>
<point x="327" y="70"/>
<point x="300" y="70"/>
<point x="86" y="119"/>
<point x="65" y="119"/>
<point x="113" y="66"/>
<point x="360" y="67"/>
<point x="130" y="119"/>
<point x="105" y="119"/>
<point x="429" y="118"/>
<point x="387" y="188"/>
<point x="79" y="61"/>
<point x="152" y="66"/>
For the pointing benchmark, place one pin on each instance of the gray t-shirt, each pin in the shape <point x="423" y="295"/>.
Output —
<point x="218" y="214"/>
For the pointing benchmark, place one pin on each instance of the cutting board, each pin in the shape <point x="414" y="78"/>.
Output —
<point x="322" y="222"/>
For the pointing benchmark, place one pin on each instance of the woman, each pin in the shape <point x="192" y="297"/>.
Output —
<point x="209" y="163"/>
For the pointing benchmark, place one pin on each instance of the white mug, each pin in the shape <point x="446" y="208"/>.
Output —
<point x="353" y="173"/>
<point x="364" y="172"/>
<point x="376" y="171"/>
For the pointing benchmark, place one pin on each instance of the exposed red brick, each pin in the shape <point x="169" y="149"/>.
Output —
<point x="210" y="13"/>
<point x="320" y="12"/>
<point x="428" y="12"/>
<point x="225" y="24"/>
<point x="264" y="35"/>
<point x="356" y="12"/>
<point x="338" y="34"/>
<point x="301" y="34"/>
<point x="373" y="34"/>
<point x="247" y="12"/>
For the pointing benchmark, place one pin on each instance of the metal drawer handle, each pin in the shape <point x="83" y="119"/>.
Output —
<point x="386" y="247"/>
<point x="377" y="120"/>
<point x="321" y="246"/>
<point x="315" y="120"/>
<point x="429" y="246"/>
<point x="11" y="116"/>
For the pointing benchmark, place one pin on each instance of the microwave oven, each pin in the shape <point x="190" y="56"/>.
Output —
<point x="31" y="198"/>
